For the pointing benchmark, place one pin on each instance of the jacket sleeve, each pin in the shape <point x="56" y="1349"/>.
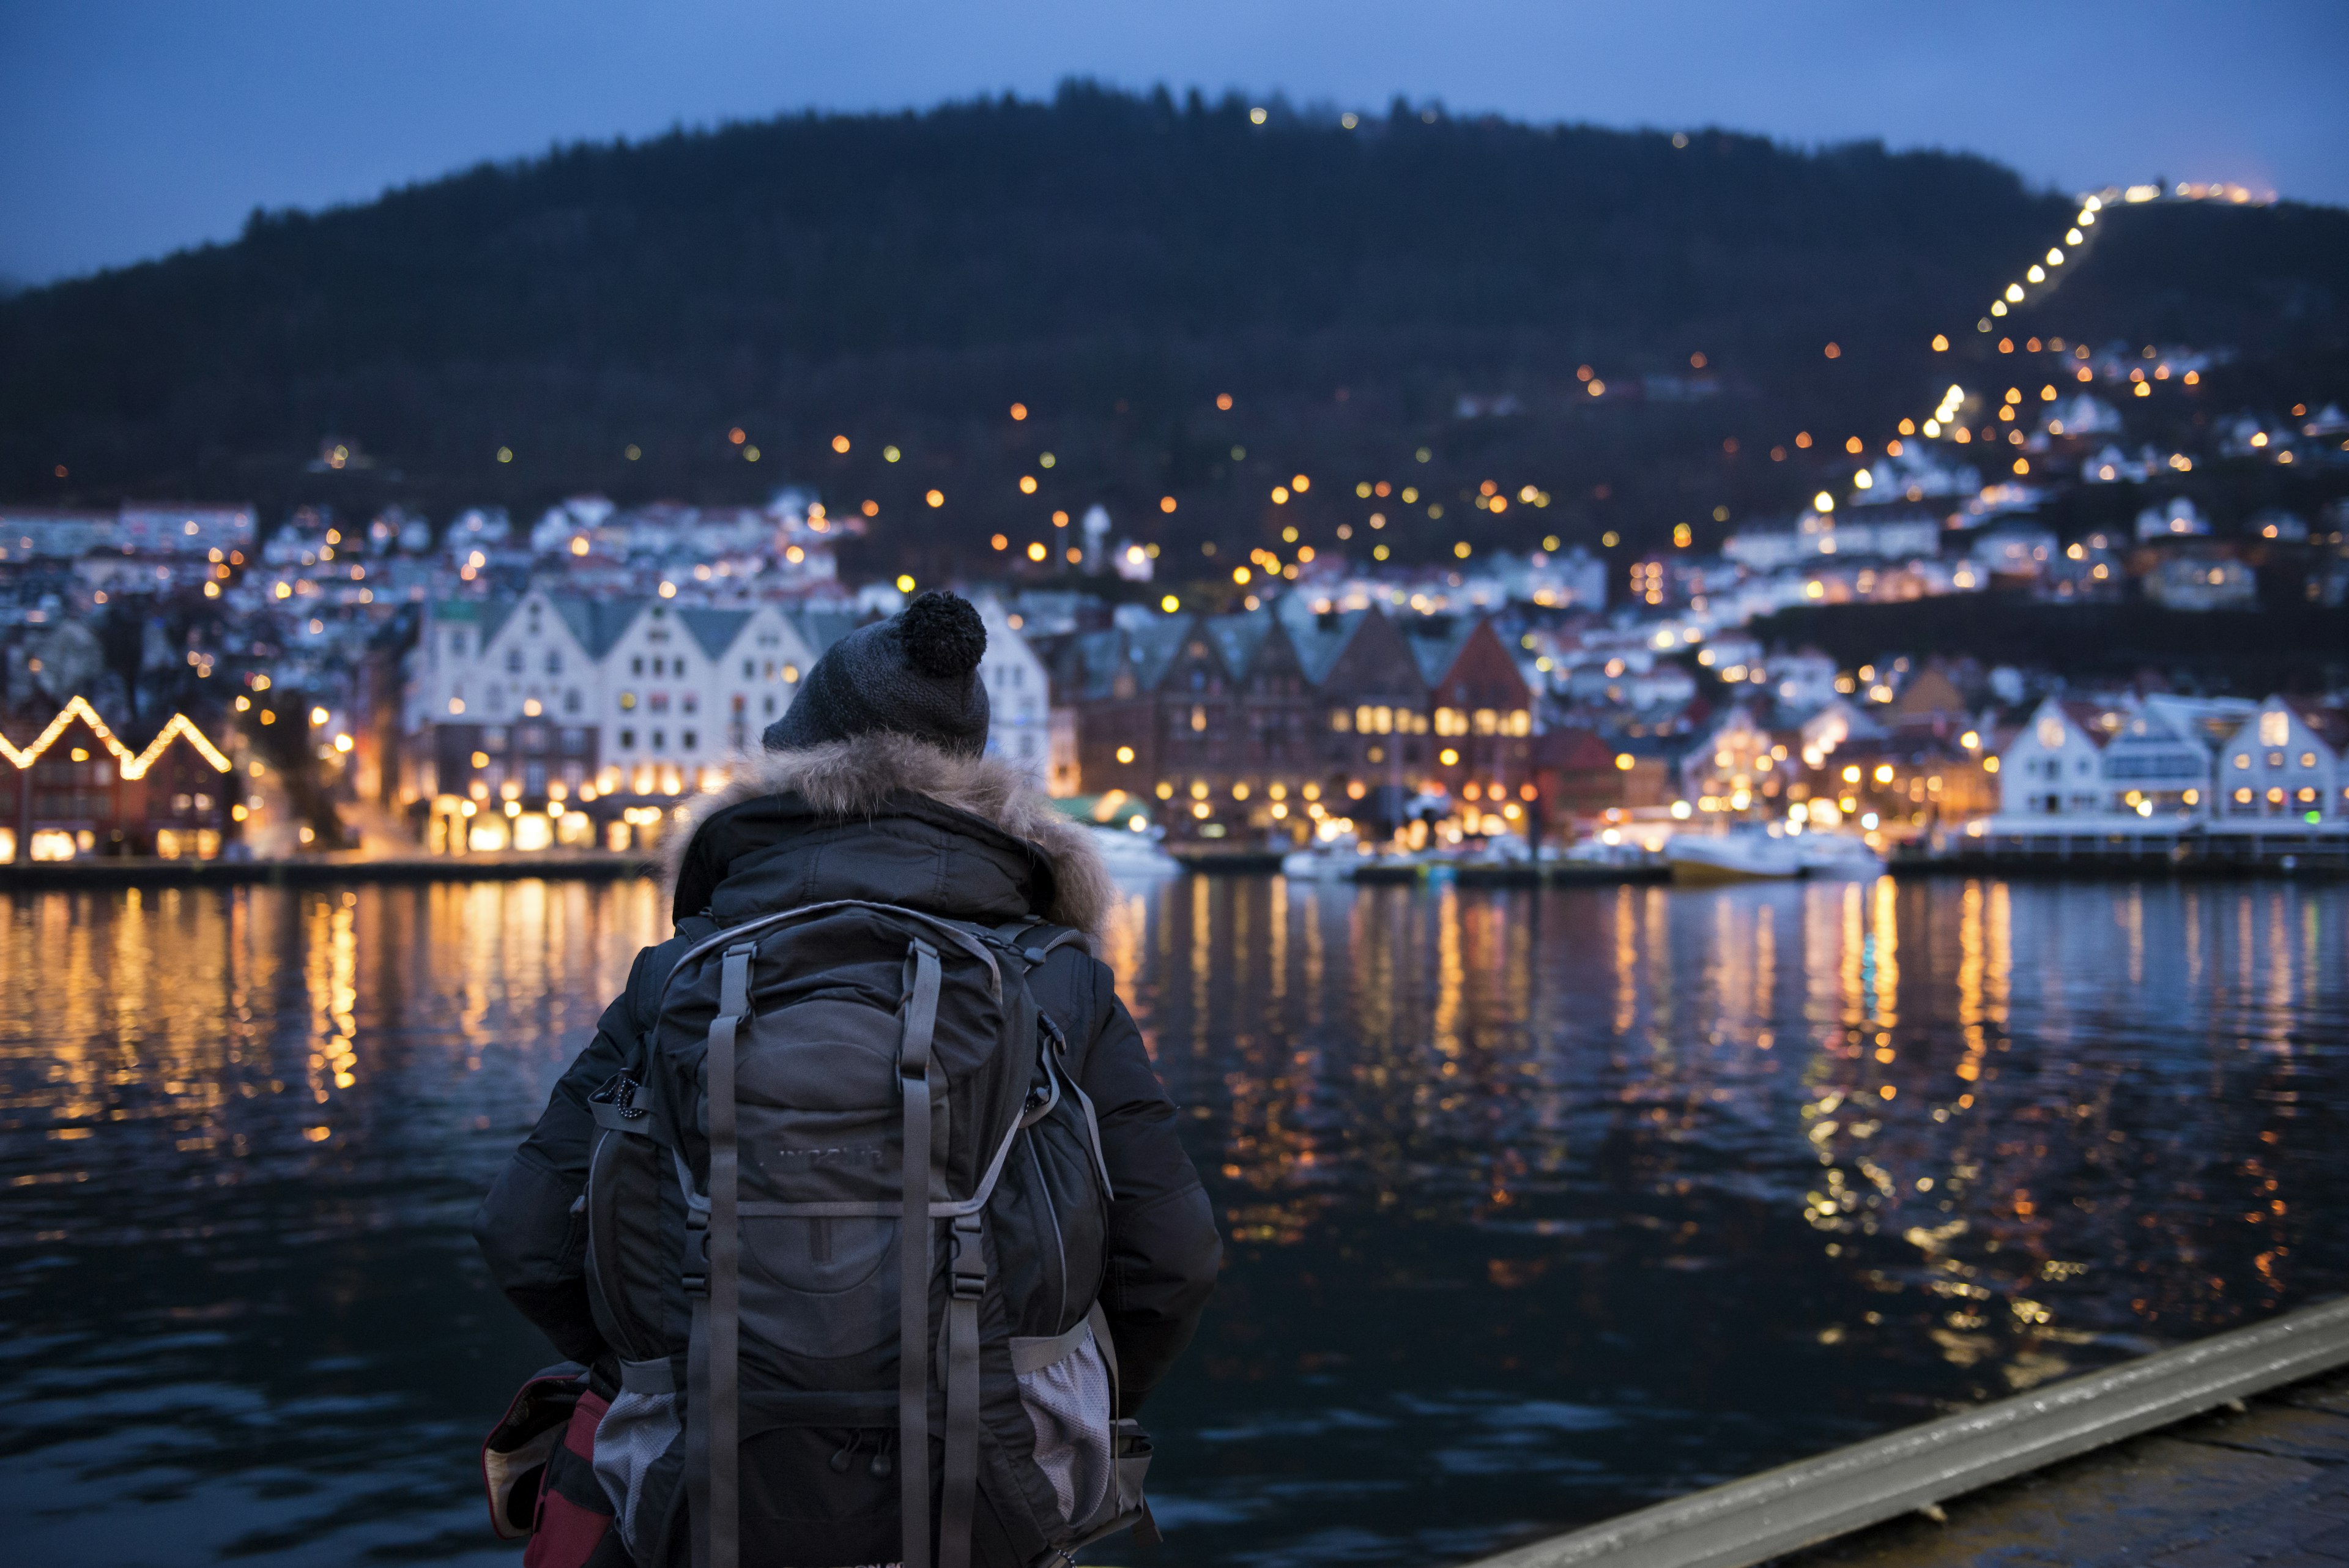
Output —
<point x="1163" y="1251"/>
<point x="531" y="1226"/>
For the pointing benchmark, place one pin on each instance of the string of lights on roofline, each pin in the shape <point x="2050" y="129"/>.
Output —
<point x="133" y="765"/>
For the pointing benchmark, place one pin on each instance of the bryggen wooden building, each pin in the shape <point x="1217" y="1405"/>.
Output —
<point x="1280" y="717"/>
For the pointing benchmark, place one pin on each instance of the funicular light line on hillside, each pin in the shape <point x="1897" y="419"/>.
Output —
<point x="2042" y="279"/>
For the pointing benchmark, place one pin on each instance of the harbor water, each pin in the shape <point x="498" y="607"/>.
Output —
<point x="1539" y="1204"/>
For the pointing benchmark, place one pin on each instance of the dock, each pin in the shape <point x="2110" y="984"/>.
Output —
<point x="2020" y="847"/>
<point x="2267" y="1484"/>
<point x="2079" y="858"/>
<point x="2230" y="1450"/>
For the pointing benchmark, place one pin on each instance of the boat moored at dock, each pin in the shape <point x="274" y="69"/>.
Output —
<point x="1699" y="859"/>
<point x="1132" y="854"/>
<point x="1749" y="855"/>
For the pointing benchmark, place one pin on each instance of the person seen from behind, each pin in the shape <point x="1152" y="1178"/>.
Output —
<point x="877" y="1050"/>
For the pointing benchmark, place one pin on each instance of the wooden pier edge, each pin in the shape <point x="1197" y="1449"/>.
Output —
<point x="1753" y="1520"/>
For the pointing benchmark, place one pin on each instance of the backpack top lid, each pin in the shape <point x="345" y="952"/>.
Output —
<point x="778" y="851"/>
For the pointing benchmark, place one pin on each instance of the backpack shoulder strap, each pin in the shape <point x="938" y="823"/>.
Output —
<point x="1034" y="941"/>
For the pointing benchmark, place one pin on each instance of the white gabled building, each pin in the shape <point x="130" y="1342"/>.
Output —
<point x="551" y="699"/>
<point x="484" y="660"/>
<point x="2278" y="767"/>
<point x="1019" y="697"/>
<point x="501" y="705"/>
<point x="686" y="689"/>
<point x="2156" y="766"/>
<point x="2154" y="761"/>
<point x="2054" y="767"/>
<point x="663" y="697"/>
<point x="762" y="666"/>
<point x="2085" y="416"/>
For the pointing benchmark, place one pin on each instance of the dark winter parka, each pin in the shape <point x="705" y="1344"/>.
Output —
<point x="890" y="819"/>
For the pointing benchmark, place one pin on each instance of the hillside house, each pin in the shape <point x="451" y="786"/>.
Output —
<point x="2200" y="583"/>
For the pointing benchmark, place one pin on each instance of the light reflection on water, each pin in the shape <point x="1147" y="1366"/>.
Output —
<point x="1540" y="1204"/>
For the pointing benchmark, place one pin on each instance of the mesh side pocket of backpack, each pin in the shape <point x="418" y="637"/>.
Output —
<point x="1068" y="1401"/>
<point x="635" y="1433"/>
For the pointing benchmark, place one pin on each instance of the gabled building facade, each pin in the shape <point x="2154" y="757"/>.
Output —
<point x="2277" y="766"/>
<point x="539" y="705"/>
<point x="2054" y="767"/>
<point x="2074" y="759"/>
<point x="1019" y="697"/>
<point x="1481" y="711"/>
<point x="2156" y="766"/>
<point x="1373" y="697"/>
<point x="72" y="787"/>
<point x="1272" y="729"/>
<point x="1287" y="715"/>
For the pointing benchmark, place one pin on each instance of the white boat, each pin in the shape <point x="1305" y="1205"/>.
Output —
<point x="1500" y="850"/>
<point x="1626" y="853"/>
<point x="1326" y="860"/>
<point x="1130" y="854"/>
<point x="1736" y="856"/>
<point x="1318" y="865"/>
<point x="1349" y="863"/>
<point x="1837" y="855"/>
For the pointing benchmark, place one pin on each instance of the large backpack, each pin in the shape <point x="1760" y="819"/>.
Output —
<point x="846" y="1232"/>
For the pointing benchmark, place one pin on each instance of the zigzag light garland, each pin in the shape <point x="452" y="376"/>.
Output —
<point x="133" y="767"/>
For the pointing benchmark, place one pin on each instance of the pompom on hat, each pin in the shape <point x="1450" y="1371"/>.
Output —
<point x="915" y="674"/>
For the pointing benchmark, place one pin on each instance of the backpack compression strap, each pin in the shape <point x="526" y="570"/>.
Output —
<point x="714" y="1351"/>
<point x="914" y="1261"/>
<point x="967" y="1276"/>
<point x="968" y="1273"/>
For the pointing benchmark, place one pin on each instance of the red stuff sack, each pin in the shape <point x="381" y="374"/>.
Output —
<point x="575" y="1518"/>
<point x="515" y="1453"/>
<point x="538" y="1469"/>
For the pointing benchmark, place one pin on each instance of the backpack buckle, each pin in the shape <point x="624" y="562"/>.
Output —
<point x="968" y="1268"/>
<point x="695" y="1276"/>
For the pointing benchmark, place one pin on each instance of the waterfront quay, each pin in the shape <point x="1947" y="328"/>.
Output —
<point x="2128" y="854"/>
<point x="2267" y="1484"/>
<point x="2158" y="1460"/>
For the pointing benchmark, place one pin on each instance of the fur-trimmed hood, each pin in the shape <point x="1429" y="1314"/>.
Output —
<point x="863" y="777"/>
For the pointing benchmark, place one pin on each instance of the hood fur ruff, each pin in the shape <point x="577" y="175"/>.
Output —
<point x="856" y="777"/>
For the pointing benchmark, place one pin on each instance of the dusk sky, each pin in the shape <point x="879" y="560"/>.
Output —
<point x="130" y="129"/>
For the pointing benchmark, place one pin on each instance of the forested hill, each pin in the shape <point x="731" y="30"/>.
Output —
<point x="1114" y="263"/>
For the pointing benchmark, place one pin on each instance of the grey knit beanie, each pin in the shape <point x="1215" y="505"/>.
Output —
<point x="915" y="673"/>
